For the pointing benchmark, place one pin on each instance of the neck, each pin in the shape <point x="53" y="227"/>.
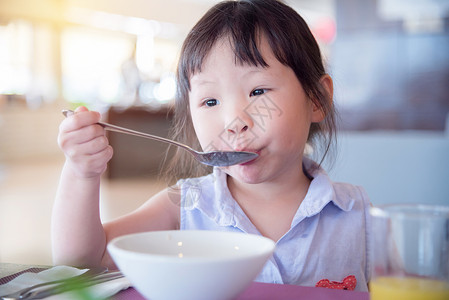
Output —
<point x="292" y="187"/>
<point x="271" y="206"/>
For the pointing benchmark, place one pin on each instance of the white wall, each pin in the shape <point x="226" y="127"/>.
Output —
<point x="29" y="134"/>
<point x="396" y="167"/>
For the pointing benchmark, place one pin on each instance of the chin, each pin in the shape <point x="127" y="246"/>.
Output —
<point x="245" y="174"/>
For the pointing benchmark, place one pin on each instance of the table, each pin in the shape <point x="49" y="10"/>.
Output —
<point x="269" y="291"/>
<point x="256" y="291"/>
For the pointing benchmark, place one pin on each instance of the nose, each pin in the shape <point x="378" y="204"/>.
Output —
<point x="237" y="127"/>
<point x="239" y="121"/>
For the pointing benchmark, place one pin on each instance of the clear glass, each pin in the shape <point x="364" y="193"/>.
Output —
<point x="409" y="252"/>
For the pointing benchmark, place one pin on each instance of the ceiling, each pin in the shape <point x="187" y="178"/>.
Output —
<point x="182" y="12"/>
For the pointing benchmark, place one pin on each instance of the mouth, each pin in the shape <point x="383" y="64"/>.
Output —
<point x="250" y="150"/>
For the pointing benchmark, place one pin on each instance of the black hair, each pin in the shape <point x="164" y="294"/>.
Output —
<point x="243" y="22"/>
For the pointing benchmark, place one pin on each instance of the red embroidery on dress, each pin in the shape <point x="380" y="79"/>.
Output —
<point x="348" y="283"/>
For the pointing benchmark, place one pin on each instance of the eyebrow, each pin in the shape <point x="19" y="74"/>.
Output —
<point x="200" y="81"/>
<point x="195" y="79"/>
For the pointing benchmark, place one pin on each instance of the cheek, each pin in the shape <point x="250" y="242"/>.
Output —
<point x="206" y="130"/>
<point x="290" y="128"/>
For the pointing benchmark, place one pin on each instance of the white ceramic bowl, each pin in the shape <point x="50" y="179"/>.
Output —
<point x="190" y="265"/>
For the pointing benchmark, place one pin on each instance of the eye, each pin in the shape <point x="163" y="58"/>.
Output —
<point x="257" y="92"/>
<point x="211" y="102"/>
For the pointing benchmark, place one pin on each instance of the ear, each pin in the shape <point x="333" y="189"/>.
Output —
<point x="318" y="113"/>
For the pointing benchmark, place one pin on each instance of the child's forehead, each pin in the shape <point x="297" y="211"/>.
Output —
<point x="225" y="48"/>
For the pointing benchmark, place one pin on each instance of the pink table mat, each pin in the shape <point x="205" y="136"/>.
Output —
<point x="8" y="278"/>
<point x="256" y="291"/>
<point x="268" y="291"/>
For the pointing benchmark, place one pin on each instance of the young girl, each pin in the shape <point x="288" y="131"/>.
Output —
<point x="250" y="78"/>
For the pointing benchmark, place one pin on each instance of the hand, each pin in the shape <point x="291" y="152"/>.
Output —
<point x="84" y="143"/>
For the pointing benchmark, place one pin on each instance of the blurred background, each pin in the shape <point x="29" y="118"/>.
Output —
<point x="389" y="60"/>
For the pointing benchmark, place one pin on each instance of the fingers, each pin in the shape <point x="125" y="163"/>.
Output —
<point x="84" y="142"/>
<point x="90" y="165"/>
<point x="79" y="128"/>
<point x="81" y="118"/>
<point x="81" y="108"/>
<point x="88" y="146"/>
<point x="81" y="135"/>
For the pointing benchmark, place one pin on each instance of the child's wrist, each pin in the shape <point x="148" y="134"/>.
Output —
<point x="77" y="173"/>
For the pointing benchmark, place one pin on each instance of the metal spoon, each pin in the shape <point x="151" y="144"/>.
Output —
<point x="213" y="158"/>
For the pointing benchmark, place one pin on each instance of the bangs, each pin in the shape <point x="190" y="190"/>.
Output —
<point x="244" y="24"/>
<point x="241" y="25"/>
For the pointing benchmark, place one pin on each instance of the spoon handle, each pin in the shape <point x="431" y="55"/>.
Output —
<point x="116" y="128"/>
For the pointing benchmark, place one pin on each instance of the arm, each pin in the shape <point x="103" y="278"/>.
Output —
<point x="160" y="212"/>
<point x="78" y="237"/>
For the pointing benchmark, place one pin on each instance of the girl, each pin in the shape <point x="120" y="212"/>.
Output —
<point x="250" y="78"/>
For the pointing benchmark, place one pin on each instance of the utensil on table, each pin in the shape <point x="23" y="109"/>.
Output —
<point x="213" y="158"/>
<point x="90" y="277"/>
<point x="72" y="285"/>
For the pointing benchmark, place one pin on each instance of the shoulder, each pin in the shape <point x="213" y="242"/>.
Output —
<point x="341" y="189"/>
<point x="201" y="186"/>
<point x="198" y="181"/>
<point x="325" y="190"/>
<point x="345" y="190"/>
<point x="349" y="197"/>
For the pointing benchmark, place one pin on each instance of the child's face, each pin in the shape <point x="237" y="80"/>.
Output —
<point x="248" y="108"/>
